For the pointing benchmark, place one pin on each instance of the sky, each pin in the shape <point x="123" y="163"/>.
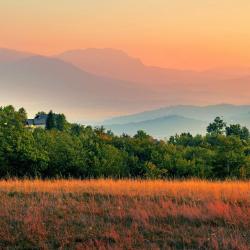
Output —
<point x="184" y="34"/>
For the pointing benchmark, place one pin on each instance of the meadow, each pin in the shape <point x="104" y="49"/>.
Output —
<point x="124" y="214"/>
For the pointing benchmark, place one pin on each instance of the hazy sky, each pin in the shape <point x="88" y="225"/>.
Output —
<point x="171" y="33"/>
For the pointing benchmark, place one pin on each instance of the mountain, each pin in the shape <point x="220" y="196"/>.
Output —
<point x="106" y="62"/>
<point x="168" y="121"/>
<point x="97" y="83"/>
<point x="119" y="65"/>
<point x="242" y="118"/>
<point x="45" y="83"/>
<point x="162" y="127"/>
<point x="204" y="113"/>
<point x="8" y="55"/>
<point x="170" y="86"/>
<point x="232" y="72"/>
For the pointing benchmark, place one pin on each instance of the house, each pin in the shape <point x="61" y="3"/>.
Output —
<point x="38" y="122"/>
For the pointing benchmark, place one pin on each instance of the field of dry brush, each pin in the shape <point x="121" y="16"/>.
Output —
<point x="124" y="214"/>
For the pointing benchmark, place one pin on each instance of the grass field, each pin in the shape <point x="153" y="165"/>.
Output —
<point x="125" y="214"/>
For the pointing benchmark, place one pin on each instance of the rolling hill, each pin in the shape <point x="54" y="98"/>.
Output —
<point x="171" y="86"/>
<point x="99" y="83"/>
<point x="49" y="83"/>
<point x="119" y="65"/>
<point x="162" y="127"/>
<point x="205" y="113"/>
<point x="8" y="55"/>
<point x="168" y="121"/>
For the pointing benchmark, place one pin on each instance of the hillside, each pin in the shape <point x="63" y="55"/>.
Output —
<point x="170" y="86"/>
<point x="167" y="121"/>
<point x="101" y="83"/>
<point x="162" y="127"/>
<point x="119" y="65"/>
<point x="52" y="83"/>
<point x="8" y="55"/>
<point x="204" y="113"/>
<point x="107" y="62"/>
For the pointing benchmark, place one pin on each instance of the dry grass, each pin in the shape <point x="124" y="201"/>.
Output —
<point x="124" y="214"/>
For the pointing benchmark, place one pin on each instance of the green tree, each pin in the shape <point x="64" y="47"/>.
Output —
<point x="61" y="122"/>
<point x="22" y="115"/>
<point x="76" y="129"/>
<point x="19" y="153"/>
<point x="141" y="135"/>
<point x="217" y="126"/>
<point x="51" y="121"/>
<point x="239" y="131"/>
<point x="229" y="157"/>
<point x="71" y="150"/>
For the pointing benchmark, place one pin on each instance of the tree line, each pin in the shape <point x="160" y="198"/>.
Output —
<point x="77" y="151"/>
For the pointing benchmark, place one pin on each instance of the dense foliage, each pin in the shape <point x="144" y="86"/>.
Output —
<point x="72" y="150"/>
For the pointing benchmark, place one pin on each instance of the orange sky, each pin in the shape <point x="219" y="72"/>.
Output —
<point x="181" y="33"/>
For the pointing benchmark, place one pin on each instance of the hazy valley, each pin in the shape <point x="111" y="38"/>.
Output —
<point x="101" y="83"/>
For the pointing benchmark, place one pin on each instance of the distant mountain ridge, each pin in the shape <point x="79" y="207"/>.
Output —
<point x="49" y="83"/>
<point x="119" y="65"/>
<point x="173" y="120"/>
<point x="162" y="127"/>
<point x="8" y="55"/>
<point x="203" y="113"/>
<point x="106" y="62"/>
<point x="97" y="83"/>
<point x="172" y="86"/>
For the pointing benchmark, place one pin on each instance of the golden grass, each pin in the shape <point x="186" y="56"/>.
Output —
<point x="195" y="189"/>
<point x="124" y="214"/>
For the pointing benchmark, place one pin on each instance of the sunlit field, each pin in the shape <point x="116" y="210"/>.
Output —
<point x="124" y="214"/>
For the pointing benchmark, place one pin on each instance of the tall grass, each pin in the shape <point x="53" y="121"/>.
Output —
<point x="124" y="214"/>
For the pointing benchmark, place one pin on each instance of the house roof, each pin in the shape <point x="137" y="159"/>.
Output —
<point x="37" y="121"/>
<point x="40" y="120"/>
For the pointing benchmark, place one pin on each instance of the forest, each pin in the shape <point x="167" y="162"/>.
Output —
<point x="65" y="150"/>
